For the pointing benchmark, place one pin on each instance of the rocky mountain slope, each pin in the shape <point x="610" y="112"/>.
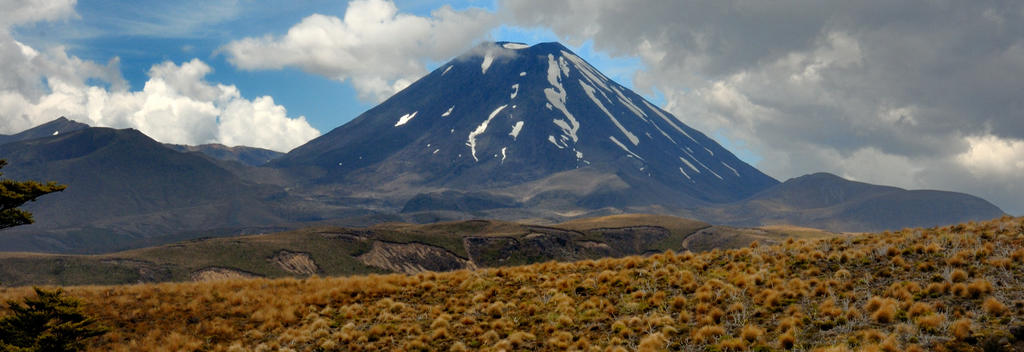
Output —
<point x="520" y="121"/>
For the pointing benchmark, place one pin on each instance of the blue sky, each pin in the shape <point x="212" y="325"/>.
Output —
<point x="144" y="33"/>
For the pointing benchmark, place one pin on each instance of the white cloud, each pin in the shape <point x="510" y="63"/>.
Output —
<point x="18" y="12"/>
<point x="993" y="155"/>
<point x="176" y="105"/>
<point x="378" y="49"/>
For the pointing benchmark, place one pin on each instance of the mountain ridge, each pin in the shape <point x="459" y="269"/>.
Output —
<point x="506" y="132"/>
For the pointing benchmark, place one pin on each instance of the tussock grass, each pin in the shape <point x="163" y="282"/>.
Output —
<point x="854" y="293"/>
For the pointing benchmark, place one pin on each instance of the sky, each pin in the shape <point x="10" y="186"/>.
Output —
<point x="916" y="94"/>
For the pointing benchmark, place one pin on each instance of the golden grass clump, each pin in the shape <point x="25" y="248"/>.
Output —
<point x="931" y="322"/>
<point x="994" y="307"/>
<point x="653" y="342"/>
<point x="978" y="288"/>
<point x="707" y="333"/>
<point x="961" y="329"/>
<point x="919" y="309"/>
<point x="958" y="275"/>
<point x="883" y="310"/>
<point x="787" y="340"/>
<point x="751" y="333"/>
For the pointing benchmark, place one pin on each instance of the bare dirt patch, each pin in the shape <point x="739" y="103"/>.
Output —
<point x="295" y="262"/>
<point x="412" y="258"/>
<point x="218" y="274"/>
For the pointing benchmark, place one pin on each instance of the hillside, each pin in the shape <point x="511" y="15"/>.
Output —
<point x="246" y="155"/>
<point x="830" y="202"/>
<point x="955" y="288"/>
<point x="124" y="187"/>
<point x="385" y="248"/>
<point x="52" y="128"/>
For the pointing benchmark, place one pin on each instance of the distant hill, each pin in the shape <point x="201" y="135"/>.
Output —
<point x="52" y="128"/>
<point x="830" y="202"/>
<point x="246" y="155"/>
<point x="124" y="186"/>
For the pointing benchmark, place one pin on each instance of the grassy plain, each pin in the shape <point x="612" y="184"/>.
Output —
<point x="940" y="289"/>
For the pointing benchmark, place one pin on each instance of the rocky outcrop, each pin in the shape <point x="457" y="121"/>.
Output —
<point x="411" y="258"/>
<point x="218" y="274"/>
<point x="301" y="264"/>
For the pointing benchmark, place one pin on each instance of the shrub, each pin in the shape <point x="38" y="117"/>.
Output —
<point x="930" y="322"/>
<point x="958" y="275"/>
<point x="979" y="287"/>
<point x="751" y="333"/>
<point x="919" y="309"/>
<point x="994" y="307"/>
<point x="652" y="342"/>
<point x="48" y="322"/>
<point x="706" y="333"/>
<point x="961" y="329"/>
<point x="787" y="340"/>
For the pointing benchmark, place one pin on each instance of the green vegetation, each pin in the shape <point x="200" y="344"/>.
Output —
<point x="49" y="322"/>
<point x="14" y="194"/>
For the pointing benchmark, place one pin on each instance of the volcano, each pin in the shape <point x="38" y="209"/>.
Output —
<point x="536" y="124"/>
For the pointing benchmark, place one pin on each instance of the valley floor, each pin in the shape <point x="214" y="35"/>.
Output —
<point x="951" y="288"/>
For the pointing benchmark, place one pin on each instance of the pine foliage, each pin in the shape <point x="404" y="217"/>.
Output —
<point x="14" y="194"/>
<point x="48" y="322"/>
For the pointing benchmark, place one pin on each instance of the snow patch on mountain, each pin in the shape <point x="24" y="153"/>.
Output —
<point x="623" y="146"/>
<point x="684" y="173"/>
<point x="669" y="121"/>
<point x="488" y="60"/>
<point x="731" y="168"/>
<point x="515" y="130"/>
<point x="405" y="118"/>
<point x="515" y="91"/>
<point x="592" y="75"/>
<point x="556" y="97"/>
<point x="515" y="46"/>
<point x="590" y="93"/>
<point x="449" y="112"/>
<point x="471" y="141"/>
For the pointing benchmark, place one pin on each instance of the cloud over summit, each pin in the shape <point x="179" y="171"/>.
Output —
<point x="374" y="46"/>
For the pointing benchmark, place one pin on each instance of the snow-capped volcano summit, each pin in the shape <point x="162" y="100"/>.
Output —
<point x="527" y="121"/>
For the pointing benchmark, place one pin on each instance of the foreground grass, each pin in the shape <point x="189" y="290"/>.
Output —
<point x="953" y="288"/>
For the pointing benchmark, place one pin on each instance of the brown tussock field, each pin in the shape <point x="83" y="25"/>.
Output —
<point x="956" y="288"/>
